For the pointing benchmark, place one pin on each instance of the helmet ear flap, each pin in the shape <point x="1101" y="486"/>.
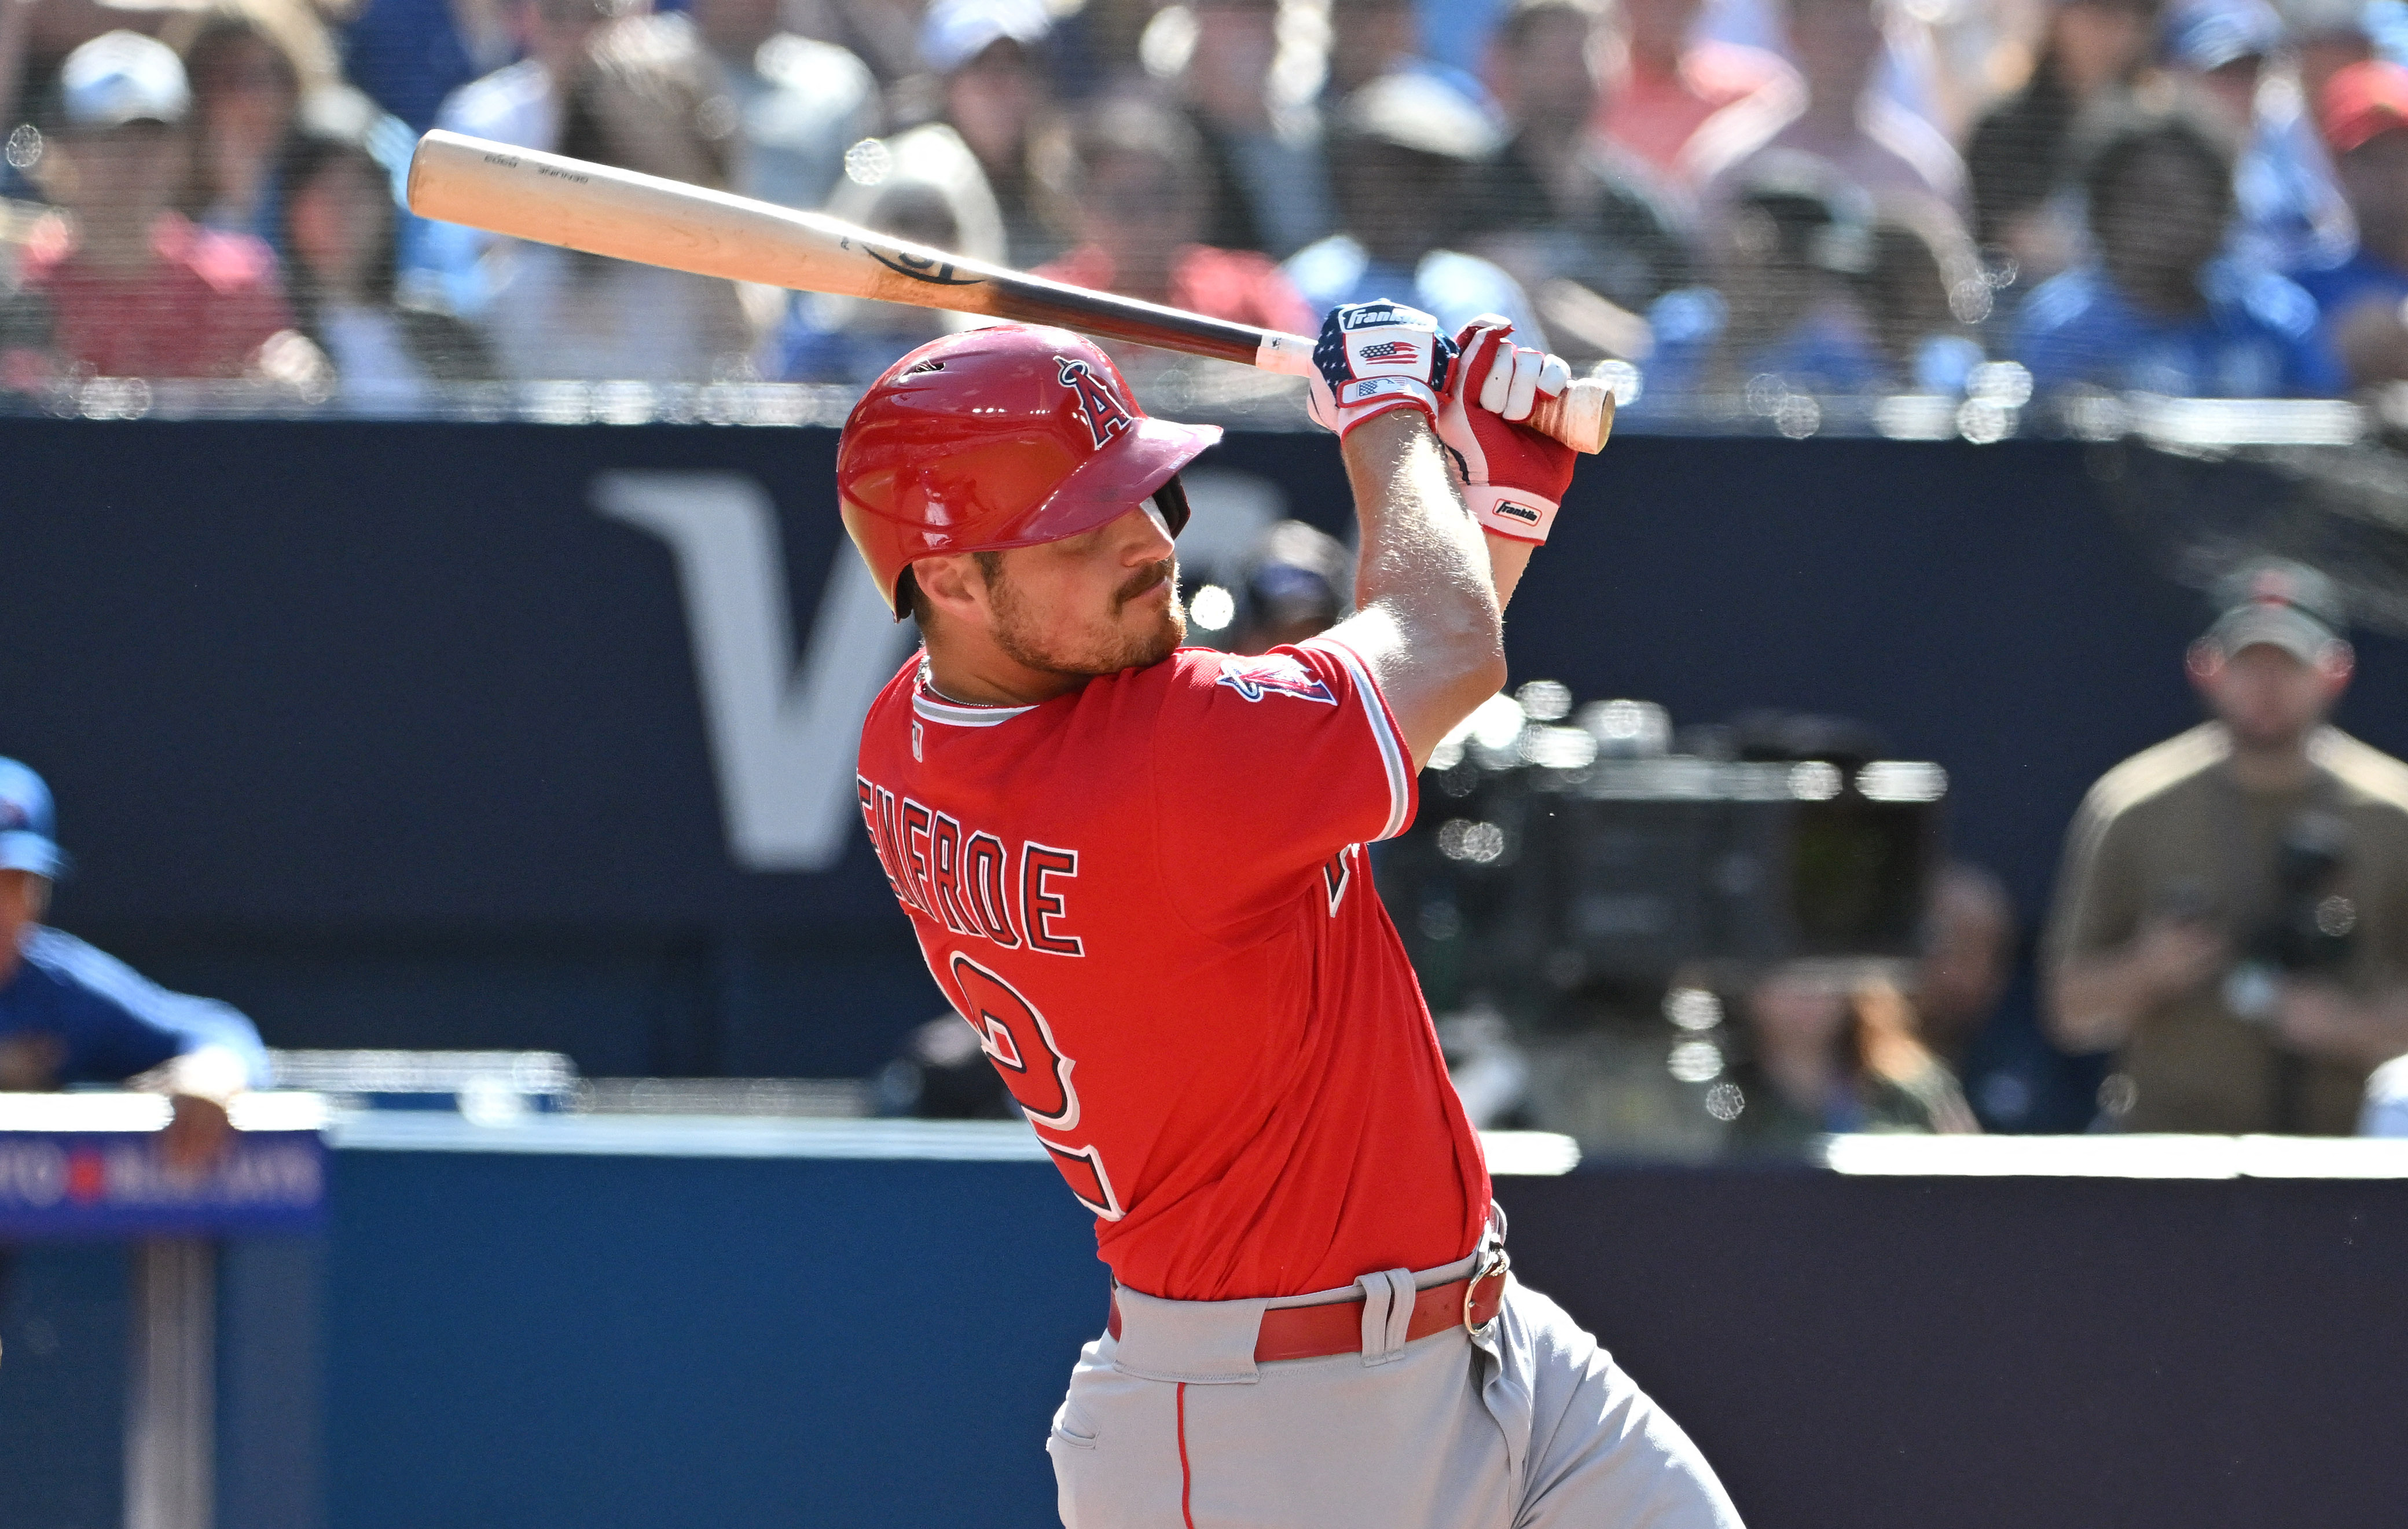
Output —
<point x="1172" y="499"/>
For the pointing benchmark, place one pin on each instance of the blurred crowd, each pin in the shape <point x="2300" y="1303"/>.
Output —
<point x="1722" y="199"/>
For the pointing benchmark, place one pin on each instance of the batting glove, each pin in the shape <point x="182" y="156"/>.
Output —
<point x="1514" y="477"/>
<point x="1373" y="357"/>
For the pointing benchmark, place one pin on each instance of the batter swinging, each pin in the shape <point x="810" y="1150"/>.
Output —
<point x="1138" y="871"/>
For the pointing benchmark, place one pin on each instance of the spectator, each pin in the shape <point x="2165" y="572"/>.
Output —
<point x="339" y="222"/>
<point x="1405" y="152"/>
<point x="1370" y="39"/>
<point x="2232" y="914"/>
<point x="1669" y="85"/>
<point x="2158" y="309"/>
<point x="1561" y="205"/>
<point x="2017" y="158"/>
<point x="993" y="93"/>
<point x="70" y="1015"/>
<point x="800" y="103"/>
<point x="519" y="104"/>
<point x="1832" y="1053"/>
<point x="1262" y="156"/>
<point x="1925" y="290"/>
<point x="644" y="98"/>
<point x="1969" y="952"/>
<point x="1134" y="172"/>
<point x="133" y="290"/>
<point x="2286" y="210"/>
<point x="1792" y="257"/>
<point x="2365" y="123"/>
<point x="924" y="186"/>
<point x="1865" y="137"/>
<point x="1297" y="583"/>
<point x="248" y="69"/>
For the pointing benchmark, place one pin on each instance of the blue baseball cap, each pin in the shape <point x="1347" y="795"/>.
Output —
<point x="27" y="823"/>
<point x="2207" y="35"/>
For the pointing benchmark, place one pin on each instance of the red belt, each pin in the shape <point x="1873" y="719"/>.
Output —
<point x="1337" y="1328"/>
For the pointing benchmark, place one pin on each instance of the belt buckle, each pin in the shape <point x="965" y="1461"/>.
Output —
<point x="1498" y="1268"/>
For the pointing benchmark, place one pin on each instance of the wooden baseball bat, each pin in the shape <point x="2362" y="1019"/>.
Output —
<point x="605" y="211"/>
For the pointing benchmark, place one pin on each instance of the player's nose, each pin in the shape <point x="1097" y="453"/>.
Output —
<point x="1144" y="536"/>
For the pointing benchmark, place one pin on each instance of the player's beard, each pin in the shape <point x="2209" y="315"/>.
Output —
<point x="1107" y="646"/>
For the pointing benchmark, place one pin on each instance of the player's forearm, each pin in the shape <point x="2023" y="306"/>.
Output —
<point x="2093" y="1000"/>
<point x="1425" y="576"/>
<point x="1506" y="559"/>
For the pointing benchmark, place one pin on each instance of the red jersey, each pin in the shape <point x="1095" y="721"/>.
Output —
<point x="1150" y="898"/>
<point x="203" y="309"/>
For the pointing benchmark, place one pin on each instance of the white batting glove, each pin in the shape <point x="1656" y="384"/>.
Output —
<point x="1374" y="357"/>
<point x="1514" y="477"/>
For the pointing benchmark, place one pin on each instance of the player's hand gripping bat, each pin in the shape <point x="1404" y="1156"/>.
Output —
<point x="619" y="213"/>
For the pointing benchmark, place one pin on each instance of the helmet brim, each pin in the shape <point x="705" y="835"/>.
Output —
<point x="1110" y="483"/>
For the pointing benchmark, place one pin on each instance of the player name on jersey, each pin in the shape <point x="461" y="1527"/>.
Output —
<point x="968" y="879"/>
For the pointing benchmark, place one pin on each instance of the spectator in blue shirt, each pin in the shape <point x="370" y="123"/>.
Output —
<point x="2364" y="112"/>
<point x="2286" y="209"/>
<point x="69" y="1014"/>
<point x="1791" y="259"/>
<point x="2158" y="309"/>
<point x="1400" y="164"/>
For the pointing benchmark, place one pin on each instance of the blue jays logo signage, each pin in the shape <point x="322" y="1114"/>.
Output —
<point x="1273" y="674"/>
<point x="1105" y="414"/>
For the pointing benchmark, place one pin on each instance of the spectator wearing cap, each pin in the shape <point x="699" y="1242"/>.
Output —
<point x="2365" y="123"/>
<point x="1295" y="585"/>
<point x="800" y="103"/>
<point x="1405" y="152"/>
<point x="1561" y="205"/>
<point x="992" y="84"/>
<point x="2286" y="210"/>
<point x="1262" y="154"/>
<point x="517" y="104"/>
<point x="2231" y="917"/>
<point x="2161" y="308"/>
<point x="71" y="1015"/>
<point x="1790" y="260"/>
<point x="1133" y="171"/>
<point x="1866" y="138"/>
<point x="134" y="289"/>
<point x="2016" y="158"/>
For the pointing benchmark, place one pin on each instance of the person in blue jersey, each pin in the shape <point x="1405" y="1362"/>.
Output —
<point x="2238" y="57"/>
<point x="69" y="1014"/>
<point x="1405" y="155"/>
<point x="2159" y="308"/>
<point x="2364" y="115"/>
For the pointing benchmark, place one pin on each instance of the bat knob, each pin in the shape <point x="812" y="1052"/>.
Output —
<point x="1581" y="416"/>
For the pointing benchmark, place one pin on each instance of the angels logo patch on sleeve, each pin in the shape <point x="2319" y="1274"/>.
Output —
<point x="1273" y="674"/>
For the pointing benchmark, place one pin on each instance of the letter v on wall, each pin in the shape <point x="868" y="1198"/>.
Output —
<point x="783" y="734"/>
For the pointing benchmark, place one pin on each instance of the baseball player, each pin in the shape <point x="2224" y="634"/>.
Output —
<point x="1137" y="869"/>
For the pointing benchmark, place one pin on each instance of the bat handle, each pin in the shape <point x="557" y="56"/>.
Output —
<point x="1581" y="416"/>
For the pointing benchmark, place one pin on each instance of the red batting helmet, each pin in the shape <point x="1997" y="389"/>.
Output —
<point x="1000" y="437"/>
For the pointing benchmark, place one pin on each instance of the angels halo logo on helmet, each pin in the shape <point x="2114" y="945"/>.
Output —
<point x="1001" y="438"/>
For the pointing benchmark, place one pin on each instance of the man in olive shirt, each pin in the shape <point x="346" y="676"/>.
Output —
<point x="2232" y="913"/>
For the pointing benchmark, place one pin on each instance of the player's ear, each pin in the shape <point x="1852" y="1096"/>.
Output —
<point x="949" y="585"/>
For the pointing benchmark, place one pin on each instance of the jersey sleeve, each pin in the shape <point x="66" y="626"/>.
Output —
<point x="1265" y="766"/>
<point x="118" y="1024"/>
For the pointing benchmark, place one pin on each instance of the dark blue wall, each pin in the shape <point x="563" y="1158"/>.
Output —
<point x="381" y="731"/>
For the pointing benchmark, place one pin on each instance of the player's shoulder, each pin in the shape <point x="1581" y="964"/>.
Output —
<point x="2160" y="776"/>
<point x="71" y="963"/>
<point x="1320" y="672"/>
<point x="2370" y="777"/>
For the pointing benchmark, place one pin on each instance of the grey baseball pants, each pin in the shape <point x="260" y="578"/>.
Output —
<point x="1173" y="1425"/>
